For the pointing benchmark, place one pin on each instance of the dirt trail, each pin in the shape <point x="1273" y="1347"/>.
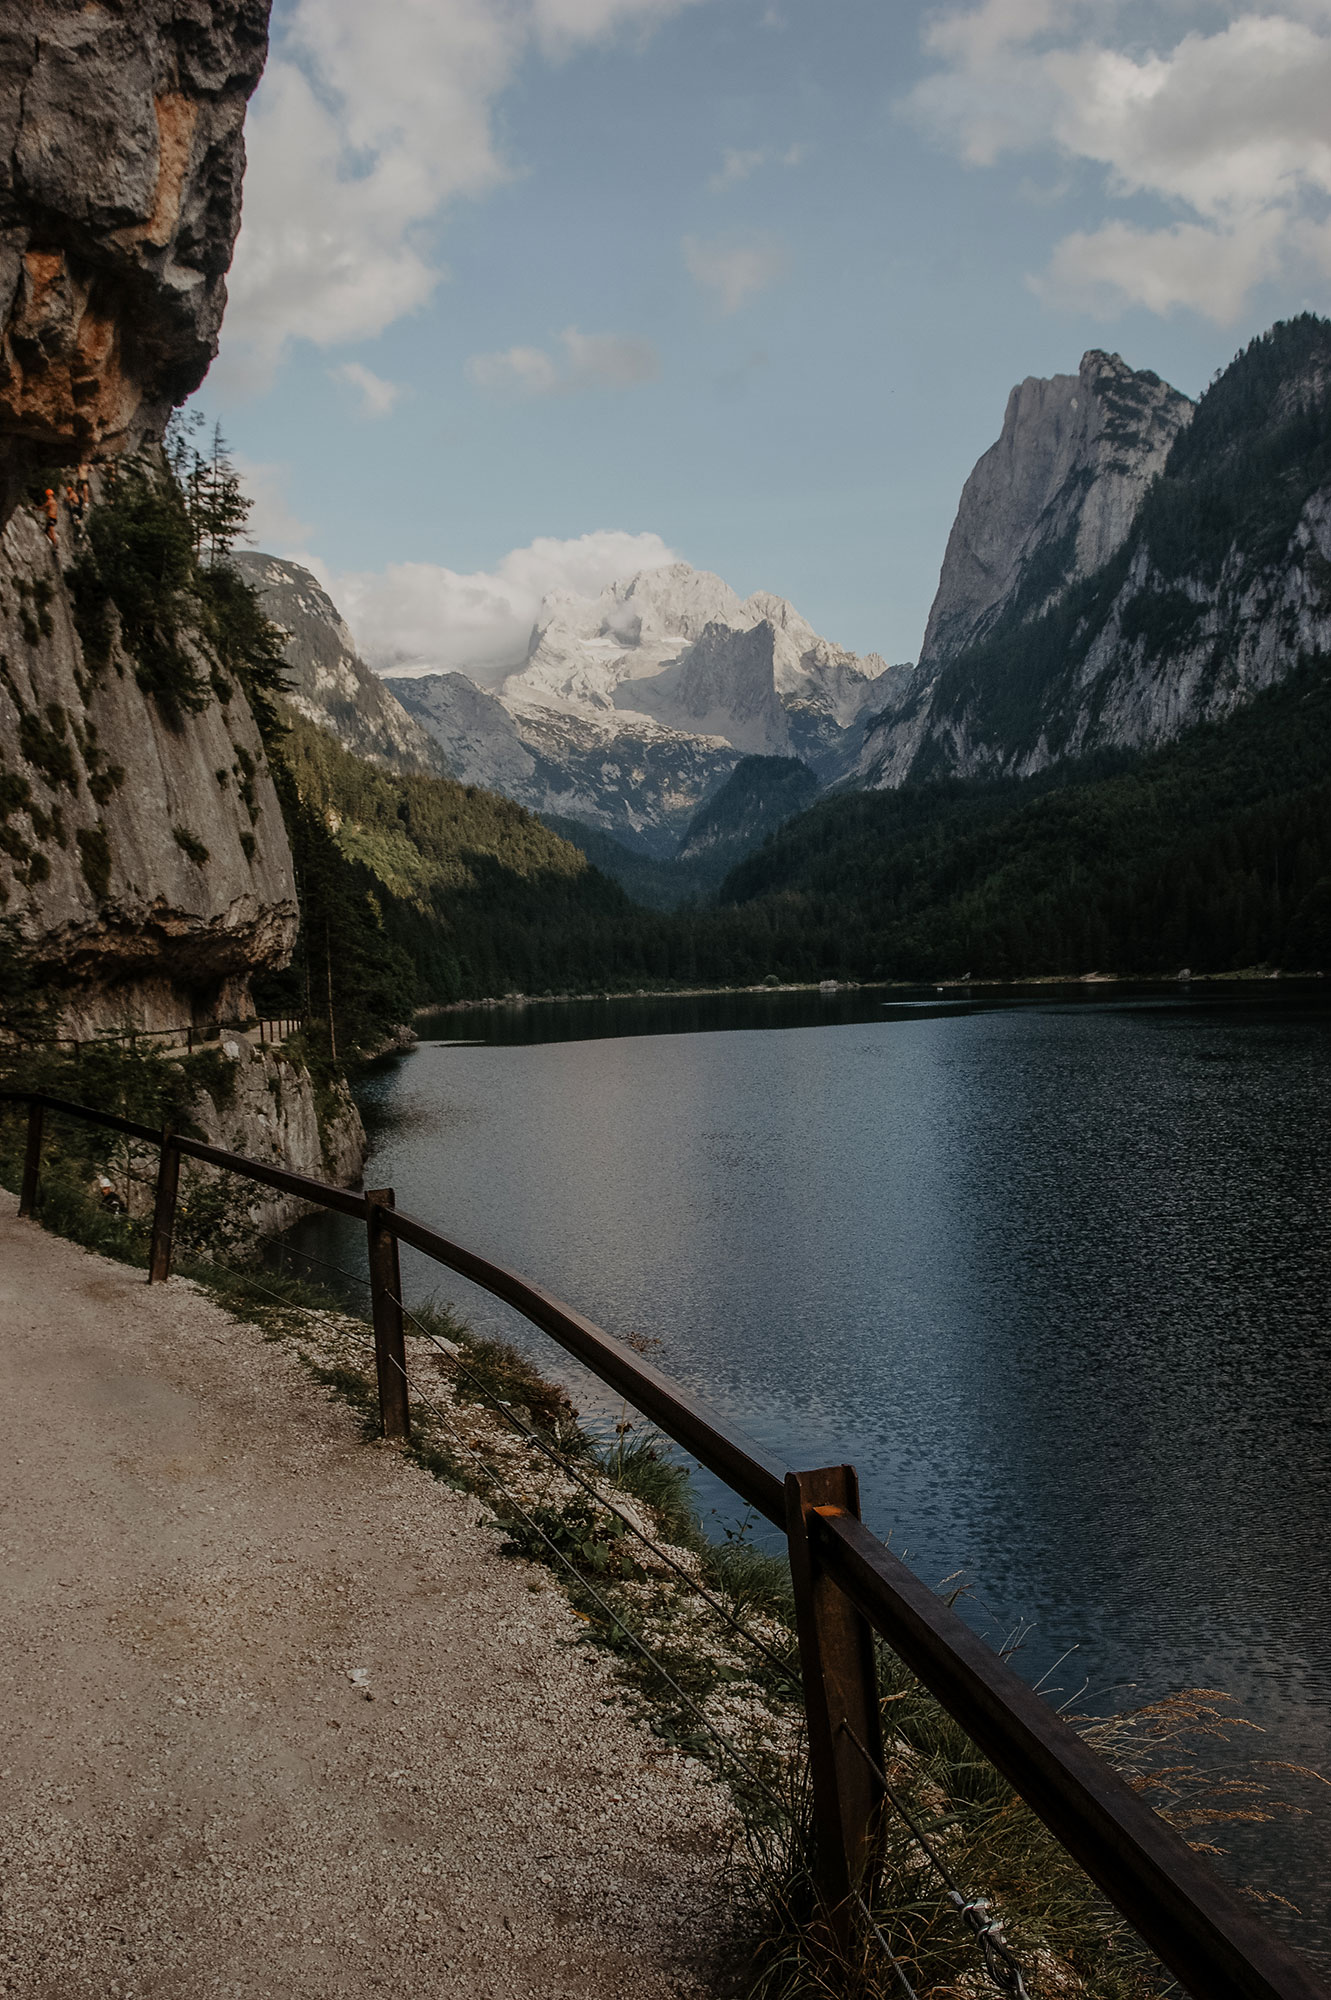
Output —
<point x="196" y="1797"/>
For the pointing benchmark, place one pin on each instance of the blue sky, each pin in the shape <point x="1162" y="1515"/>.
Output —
<point x="743" y="280"/>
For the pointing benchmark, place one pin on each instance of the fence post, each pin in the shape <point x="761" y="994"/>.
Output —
<point x="32" y="1159"/>
<point x="164" y="1210"/>
<point x="840" y="1695"/>
<point x="390" y="1353"/>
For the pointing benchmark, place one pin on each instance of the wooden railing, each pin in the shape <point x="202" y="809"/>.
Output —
<point x="847" y="1586"/>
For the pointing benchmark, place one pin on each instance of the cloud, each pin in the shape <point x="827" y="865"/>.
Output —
<point x="1226" y="130"/>
<point x="1187" y="264"/>
<point x="369" y="122"/>
<point x="735" y="272"/>
<point x="590" y="361"/>
<point x="272" y="525"/>
<point x="562" y="24"/>
<point x="377" y="396"/>
<point x="737" y="165"/>
<point x="422" y="618"/>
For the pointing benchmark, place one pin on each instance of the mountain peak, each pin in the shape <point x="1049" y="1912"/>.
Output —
<point x="1054" y="496"/>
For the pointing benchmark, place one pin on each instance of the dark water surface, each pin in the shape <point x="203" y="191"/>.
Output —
<point x="1053" y="1273"/>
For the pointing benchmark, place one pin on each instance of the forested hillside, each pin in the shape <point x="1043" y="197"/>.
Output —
<point x="1213" y="854"/>
<point x="417" y="889"/>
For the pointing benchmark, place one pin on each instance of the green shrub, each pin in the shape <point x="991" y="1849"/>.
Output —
<point x="95" y="858"/>
<point x="138" y="561"/>
<point x="190" y="845"/>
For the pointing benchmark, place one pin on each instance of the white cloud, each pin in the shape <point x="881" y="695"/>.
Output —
<point x="561" y="24"/>
<point x="522" y="371"/>
<point x="369" y="121"/>
<point x="1227" y="130"/>
<point x="737" y="165"/>
<point x="422" y="618"/>
<point x="1187" y="264"/>
<point x="590" y="361"/>
<point x="377" y="396"/>
<point x="272" y="525"/>
<point x="735" y="272"/>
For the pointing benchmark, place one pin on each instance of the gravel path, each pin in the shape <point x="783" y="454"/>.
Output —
<point x="278" y="1719"/>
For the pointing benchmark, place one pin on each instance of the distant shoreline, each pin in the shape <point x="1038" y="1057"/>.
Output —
<point x="1248" y="975"/>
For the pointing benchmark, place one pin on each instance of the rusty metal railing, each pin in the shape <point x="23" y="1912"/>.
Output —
<point x="848" y="1585"/>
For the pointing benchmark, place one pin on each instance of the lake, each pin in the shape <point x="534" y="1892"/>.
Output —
<point x="1052" y="1270"/>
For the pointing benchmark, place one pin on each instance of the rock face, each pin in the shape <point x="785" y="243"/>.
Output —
<point x="1215" y="585"/>
<point x="142" y="853"/>
<point x="144" y="863"/>
<point x="121" y="157"/>
<point x="472" y="732"/>
<point x="268" y="1111"/>
<point x="330" y="683"/>
<point x="1055" y="496"/>
<point x="632" y="707"/>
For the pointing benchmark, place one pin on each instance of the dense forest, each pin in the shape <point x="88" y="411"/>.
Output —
<point x="1213" y="854"/>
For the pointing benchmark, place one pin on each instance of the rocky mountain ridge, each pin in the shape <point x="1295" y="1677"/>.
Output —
<point x="1210" y="585"/>
<point x="633" y="705"/>
<point x="1053" y="498"/>
<point x="328" y="682"/>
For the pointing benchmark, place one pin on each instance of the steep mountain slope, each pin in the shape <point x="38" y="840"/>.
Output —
<point x="146" y="875"/>
<point x="329" y="683"/>
<point x="632" y="706"/>
<point x="143" y="856"/>
<point x="1221" y="585"/>
<point x="469" y="894"/>
<point x="1053" y="499"/>
<point x="760" y="795"/>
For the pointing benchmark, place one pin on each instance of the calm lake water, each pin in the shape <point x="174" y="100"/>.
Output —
<point x="1054" y="1273"/>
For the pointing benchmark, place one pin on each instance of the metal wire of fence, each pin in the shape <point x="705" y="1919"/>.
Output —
<point x="571" y="1471"/>
<point x="488" y="1472"/>
<point x="847" y="1583"/>
<point x="1000" y="1961"/>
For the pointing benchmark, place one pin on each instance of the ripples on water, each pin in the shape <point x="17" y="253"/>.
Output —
<point x="1054" y="1274"/>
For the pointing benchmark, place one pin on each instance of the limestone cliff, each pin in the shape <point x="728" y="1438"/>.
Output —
<point x="121" y="157"/>
<point x="142" y="850"/>
<point x="1160" y="586"/>
<point x="145" y="869"/>
<point x="1054" y="497"/>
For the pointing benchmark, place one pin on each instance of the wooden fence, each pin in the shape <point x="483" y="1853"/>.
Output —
<point x="848" y="1585"/>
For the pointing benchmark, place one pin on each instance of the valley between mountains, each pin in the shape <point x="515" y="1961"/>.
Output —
<point x="1109" y="756"/>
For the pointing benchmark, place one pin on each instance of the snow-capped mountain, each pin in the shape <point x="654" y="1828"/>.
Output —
<point x="634" y="705"/>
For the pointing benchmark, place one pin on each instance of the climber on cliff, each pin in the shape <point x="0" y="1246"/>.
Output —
<point x="52" y="513"/>
<point x="76" y="499"/>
